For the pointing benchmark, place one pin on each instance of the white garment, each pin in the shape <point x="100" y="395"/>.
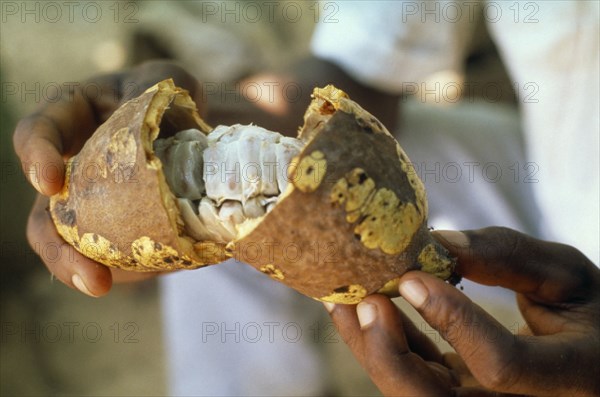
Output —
<point x="232" y="331"/>
<point x="551" y="50"/>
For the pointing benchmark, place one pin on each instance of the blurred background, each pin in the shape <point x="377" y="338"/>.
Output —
<point x="55" y="341"/>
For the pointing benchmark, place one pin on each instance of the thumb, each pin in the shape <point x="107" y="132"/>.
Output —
<point x="489" y="349"/>
<point x="500" y="361"/>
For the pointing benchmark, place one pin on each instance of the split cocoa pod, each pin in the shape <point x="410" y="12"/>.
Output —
<point x="344" y="219"/>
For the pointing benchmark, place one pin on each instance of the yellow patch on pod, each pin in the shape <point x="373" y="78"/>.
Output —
<point x="390" y="288"/>
<point x="388" y="224"/>
<point x="433" y="263"/>
<point x="69" y="233"/>
<point x="329" y="92"/>
<point x="211" y="252"/>
<point x="272" y="271"/>
<point x="309" y="172"/>
<point x="354" y="191"/>
<point x="339" y="192"/>
<point x="65" y="219"/>
<point x="348" y="295"/>
<point x="153" y="254"/>
<point x="99" y="248"/>
<point x="122" y="152"/>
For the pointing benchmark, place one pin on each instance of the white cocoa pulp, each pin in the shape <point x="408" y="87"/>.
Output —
<point x="221" y="180"/>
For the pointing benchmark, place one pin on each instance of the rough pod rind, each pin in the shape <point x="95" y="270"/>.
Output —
<point x="352" y="220"/>
<point x="354" y="217"/>
<point x="115" y="206"/>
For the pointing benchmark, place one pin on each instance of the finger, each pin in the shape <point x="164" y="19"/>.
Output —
<point x="348" y="326"/>
<point x="486" y="347"/>
<point x="454" y="362"/>
<point x="386" y="354"/>
<point x="40" y="154"/>
<point x="56" y="131"/>
<point x="418" y="342"/>
<point x="546" y="320"/>
<point x="544" y="271"/>
<point x="346" y="322"/>
<point x="496" y="358"/>
<point x="61" y="259"/>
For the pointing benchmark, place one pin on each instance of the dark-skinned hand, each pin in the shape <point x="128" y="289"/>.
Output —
<point x="558" y="294"/>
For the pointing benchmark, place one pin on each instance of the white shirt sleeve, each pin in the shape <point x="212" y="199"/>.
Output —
<point x="551" y="50"/>
<point x="391" y="44"/>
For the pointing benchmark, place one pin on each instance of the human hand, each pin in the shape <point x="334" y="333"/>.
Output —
<point x="558" y="293"/>
<point x="56" y="131"/>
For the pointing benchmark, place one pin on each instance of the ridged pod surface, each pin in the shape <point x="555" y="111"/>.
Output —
<point x="116" y="207"/>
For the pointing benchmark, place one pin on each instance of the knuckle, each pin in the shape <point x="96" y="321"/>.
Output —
<point x="498" y="377"/>
<point x="503" y="370"/>
<point x="580" y="265"/>
<point x="32" y="230"/>
<point x="35" y="125"/>
<point x="21" y="135"/>
<point x="37" y="224"/>
<point x="354" y="341"/>
<point x="449" y="316"/>
<point x="506" y="243"/>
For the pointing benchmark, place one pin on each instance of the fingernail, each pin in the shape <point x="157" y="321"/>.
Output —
<point x="80" y="285"/>
<point x="452" y="238"/>
<point x="34" y="178"/>
<point x="367" y="313"/>
<point x="329" y="306"/>
<point x="414" y="292"/>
